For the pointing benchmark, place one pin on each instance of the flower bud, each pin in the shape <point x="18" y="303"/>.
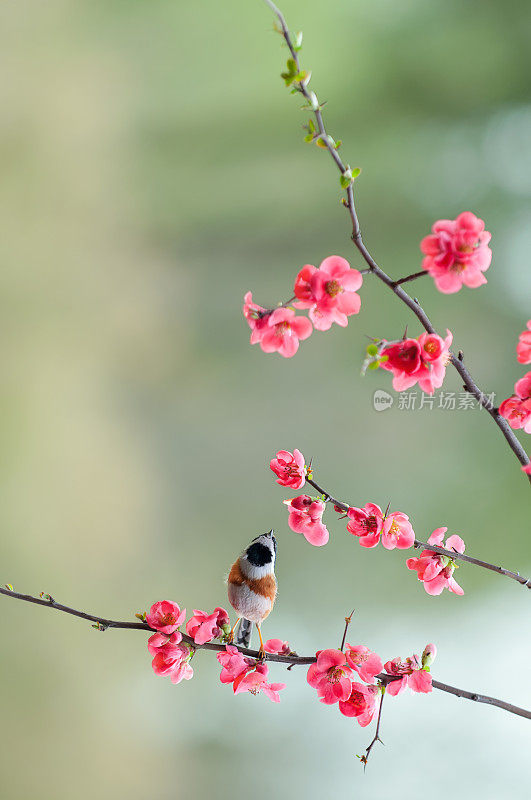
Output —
<point x="429" y="655"/>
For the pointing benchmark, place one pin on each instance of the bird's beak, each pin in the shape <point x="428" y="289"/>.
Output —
<point x="271" y="532"/>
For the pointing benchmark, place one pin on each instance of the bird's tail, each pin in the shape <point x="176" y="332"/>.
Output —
<point x="243" y="633"/>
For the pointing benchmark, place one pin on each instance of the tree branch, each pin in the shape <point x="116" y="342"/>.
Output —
<point x="434" y="547"/>
<point x="289" y="660"/>
<point x="412" y="303"/>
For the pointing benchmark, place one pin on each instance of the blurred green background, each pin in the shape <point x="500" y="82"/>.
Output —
<point x="153" y="170"/>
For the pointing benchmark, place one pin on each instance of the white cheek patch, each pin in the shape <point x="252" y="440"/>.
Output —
<point x="253" y="573"/>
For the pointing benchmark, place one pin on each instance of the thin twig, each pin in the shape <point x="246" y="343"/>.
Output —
<point x="412" y="277"/>
<point x="364" y="759"/>
<point x="395" y="287"/>
<point x="288" y="660"/>
<point x="348" y="620"/>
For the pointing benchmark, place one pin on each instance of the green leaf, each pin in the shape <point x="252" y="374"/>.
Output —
<point x="372" y="350"/>
<point x="290" y="75"/>
<point x="374" y="365"/>
<point x="308" y="137"/>
<point x="355" y="172"/>
<point x="297" y="44"/>
<point x="345" y="179"/>
<point x="321" y="143"/>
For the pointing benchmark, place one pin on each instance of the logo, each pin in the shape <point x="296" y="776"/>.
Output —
<point x="381" y="400"/>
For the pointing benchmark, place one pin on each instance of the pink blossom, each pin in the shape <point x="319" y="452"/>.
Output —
<point x="523" y="348"/>
<point x="159" y="641"/>
<point x="168" y="660"/>
<point x="271" y="690"/>
<point x="289" y="468"/>
<point x="331" y="676"/>
<point x="527" y="469"/>
<point x="277" y="646"/>
<point x="522" y="388"/>
<point x="305" y="516"/>
<point x="233" y="663"/>
<point x="403" y="357"/>
<point x="422" y="360"/>
<point x="255" y="682"/>
<point x="457" y="253"/>
<point x="517" y="412"/>
<point x="170" y="657"/>
<point x="204" y="627"/>
<point x="434" y="570"/>
<point x="517" y="408"/>
<point x="165" y="616"/>
<point x="329" y="292"/>
<point x="366" y="663"/>
<point x="366" y="523"/>
<point x="370" y="525"/>
<point x="361" y="703"/>
<point x="397" y="531"/>
<point x="182" y="672"/>
<point x="412" y="675"/>
<point x="256" y="316"/>
<point x="283" y="332"/>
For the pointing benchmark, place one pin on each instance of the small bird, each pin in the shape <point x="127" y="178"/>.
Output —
<point x="252" y="587"/>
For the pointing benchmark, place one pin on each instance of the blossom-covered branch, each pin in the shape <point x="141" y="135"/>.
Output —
<point x="370" y="525"/>
<point x="290" y="659"/>
<point x="299" y="79"/>
<point x="451" y="554"/>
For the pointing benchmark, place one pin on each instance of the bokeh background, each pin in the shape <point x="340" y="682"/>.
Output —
<point x="153" y="170"/>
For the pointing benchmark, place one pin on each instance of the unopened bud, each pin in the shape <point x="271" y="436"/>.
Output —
<point x="429" y="655"/>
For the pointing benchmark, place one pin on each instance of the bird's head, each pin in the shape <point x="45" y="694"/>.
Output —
<point x="259" y="558"/>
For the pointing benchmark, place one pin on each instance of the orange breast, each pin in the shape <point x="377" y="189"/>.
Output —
<point x="235" y="574"/>
<point x="266" y="586"/>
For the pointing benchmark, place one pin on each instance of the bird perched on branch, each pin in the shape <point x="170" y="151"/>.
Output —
<point x="252" y="587"/>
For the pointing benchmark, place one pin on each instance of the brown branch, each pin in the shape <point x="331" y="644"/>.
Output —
<point x="434" y="547"/>
<point x="289" y="660"/>
<point x="412" y="277"/>
<point x="412" y="303"/>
